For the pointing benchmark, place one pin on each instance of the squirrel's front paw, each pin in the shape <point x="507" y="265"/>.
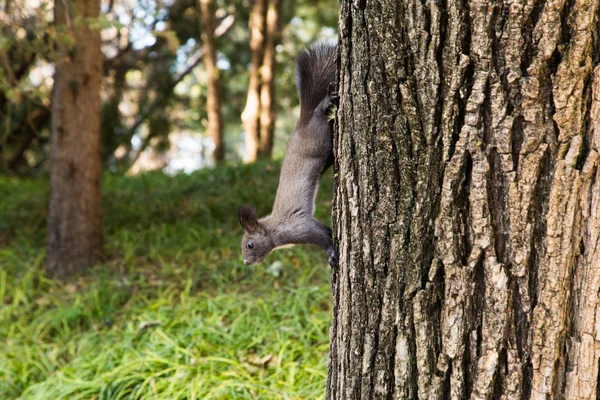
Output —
<point x="333" y="261"/>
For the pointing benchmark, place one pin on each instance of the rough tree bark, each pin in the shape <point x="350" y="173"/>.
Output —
<point x="75" y="218"/>
<point x="467" y="204"/>
<point x="251" y="114"/>
<point x="267" y="89"/>
<point x="213" y="98"/>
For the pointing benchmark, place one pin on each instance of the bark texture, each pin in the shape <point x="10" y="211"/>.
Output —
<point x="467" y="203"/>
<point x="251" y="114"/>
<point x="75" y="218"/>
<point x="213" y="97"/>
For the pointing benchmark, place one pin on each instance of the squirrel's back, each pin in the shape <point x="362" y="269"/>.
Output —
<point x="315" y="70"/>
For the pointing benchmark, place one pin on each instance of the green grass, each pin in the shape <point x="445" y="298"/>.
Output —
<point x="171" y="312"/>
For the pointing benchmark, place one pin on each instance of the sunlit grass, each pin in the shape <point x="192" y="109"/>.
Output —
<point x="171" y="312"/>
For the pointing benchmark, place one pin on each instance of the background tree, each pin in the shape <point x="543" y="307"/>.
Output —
<point x="467" y="206"/>
<point x="213" y="102"/>
<point x="251" y="114"/>
<point x="75" y="218"/>
<point x="267" y="88"/>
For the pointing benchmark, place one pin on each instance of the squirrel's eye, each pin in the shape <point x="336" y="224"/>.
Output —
<point x="250" y="245"/>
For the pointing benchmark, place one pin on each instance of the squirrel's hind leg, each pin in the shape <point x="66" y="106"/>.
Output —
<point x="328" y="105"/>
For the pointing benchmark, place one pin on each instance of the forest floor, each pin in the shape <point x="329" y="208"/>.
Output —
<point x="171" y="312"/>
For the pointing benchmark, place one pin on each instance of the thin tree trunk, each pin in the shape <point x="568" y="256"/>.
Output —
<point x="75" y="218"/>
<point x="251" y="114"/>
<point x="213" y="98"/>
<point x="267" y="90"/>
<point x="467" y="209"/>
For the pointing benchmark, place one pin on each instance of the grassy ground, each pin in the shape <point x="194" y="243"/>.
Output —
<point x="171" y="313"/>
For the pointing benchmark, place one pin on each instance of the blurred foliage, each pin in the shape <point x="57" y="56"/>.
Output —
<point x="171" y="312"/>
<point x="154" y="81"/>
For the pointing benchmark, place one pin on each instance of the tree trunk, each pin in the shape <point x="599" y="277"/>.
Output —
<point x="75" y="219"/>
<point x="250" y="116"/>
<point x="267" y="90"/>
<point x="213" y="98"/>
<point x="467" y="204"/>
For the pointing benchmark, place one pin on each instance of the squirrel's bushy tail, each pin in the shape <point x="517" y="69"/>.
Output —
<point x="315" y="70"/>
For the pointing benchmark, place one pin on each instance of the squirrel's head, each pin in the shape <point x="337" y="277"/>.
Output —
<point x="256" y="243"/>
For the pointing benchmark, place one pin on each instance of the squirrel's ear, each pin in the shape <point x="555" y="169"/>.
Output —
<point x="247" y="218"/>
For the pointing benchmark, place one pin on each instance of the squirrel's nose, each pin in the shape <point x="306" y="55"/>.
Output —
<point x="246" y="262"/>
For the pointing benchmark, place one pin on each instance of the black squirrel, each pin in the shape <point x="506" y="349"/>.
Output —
<point x="309" y="154"/>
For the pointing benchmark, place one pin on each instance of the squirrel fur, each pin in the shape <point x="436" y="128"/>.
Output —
<point x="309" y="154"/>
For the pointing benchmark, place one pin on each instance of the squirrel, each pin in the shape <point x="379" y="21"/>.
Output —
<point x="309" y="154"/>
